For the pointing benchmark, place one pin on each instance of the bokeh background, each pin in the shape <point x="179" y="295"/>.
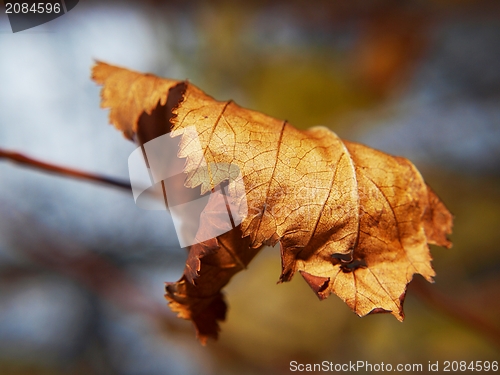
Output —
<point x="82" y="268"/>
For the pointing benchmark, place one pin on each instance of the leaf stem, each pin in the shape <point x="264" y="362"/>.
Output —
<point x="62" y="171"/>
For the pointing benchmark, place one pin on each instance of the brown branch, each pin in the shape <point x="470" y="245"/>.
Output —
<point x="62" y="171"/>
<point x="458" y="311"/>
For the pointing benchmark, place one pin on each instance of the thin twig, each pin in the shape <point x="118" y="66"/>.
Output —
<point x="62" y="171"/>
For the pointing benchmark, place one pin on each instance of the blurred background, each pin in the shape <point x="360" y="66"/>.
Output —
<point x="82" y="268"/>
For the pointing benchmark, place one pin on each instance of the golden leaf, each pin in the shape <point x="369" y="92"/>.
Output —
<point x="352" y="220"/>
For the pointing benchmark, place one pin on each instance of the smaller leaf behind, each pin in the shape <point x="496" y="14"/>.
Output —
<point x="210" y="265"/>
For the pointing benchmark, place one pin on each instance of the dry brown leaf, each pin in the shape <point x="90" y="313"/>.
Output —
<point x="352" y="220"/>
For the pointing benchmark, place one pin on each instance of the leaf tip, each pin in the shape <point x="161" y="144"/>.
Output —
<point x="205" y="313"/>
<point x="399" y="315"/>
<point x="437" y="221"/>
<point x="318" y="284"/>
